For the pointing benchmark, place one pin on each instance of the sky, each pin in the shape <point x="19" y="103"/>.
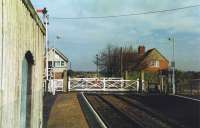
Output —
<point x="82" y="39"/>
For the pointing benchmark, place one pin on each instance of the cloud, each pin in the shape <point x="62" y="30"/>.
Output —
<point x="151" y="30"/>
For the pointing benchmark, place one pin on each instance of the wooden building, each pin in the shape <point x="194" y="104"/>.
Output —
<point x="57" y="63"/>
<point x="21" y="65"/>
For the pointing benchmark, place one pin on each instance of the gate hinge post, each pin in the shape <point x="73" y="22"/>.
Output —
<point x="104" y="84"/>
<point x="69" y="85"/>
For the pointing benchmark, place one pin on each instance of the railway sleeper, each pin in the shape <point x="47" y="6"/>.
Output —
<point x="145" y="120"/>
<point x="150" y="111"/>
<point x="111" y="117"/>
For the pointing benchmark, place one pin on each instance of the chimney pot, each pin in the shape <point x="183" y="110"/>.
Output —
<point x="141" y="50"/>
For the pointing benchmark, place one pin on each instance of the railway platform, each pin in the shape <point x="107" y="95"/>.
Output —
<point x="63" y="111"/>
<point x="120" y="110"/>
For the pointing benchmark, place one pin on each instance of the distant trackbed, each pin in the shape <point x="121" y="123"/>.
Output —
<point x="136" y="111"/>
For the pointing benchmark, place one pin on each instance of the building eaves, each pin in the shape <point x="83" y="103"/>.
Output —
<point x="142" y="58"/>
<point x="154" y="49"/>
<point x="34" y="14"/>
<point x="60" y="53"/>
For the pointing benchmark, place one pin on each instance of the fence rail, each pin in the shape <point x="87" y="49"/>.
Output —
<point x="56" y="85"/>
<point x="102" y="84"/>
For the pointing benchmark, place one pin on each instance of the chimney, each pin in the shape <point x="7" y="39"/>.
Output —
<point x="141" y="50"/>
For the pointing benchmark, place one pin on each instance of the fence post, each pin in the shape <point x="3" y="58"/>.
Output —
<point x="54" y="88"/>
<point x="121" y="83"/>
<point x="86" y="84"/>
<point x="104" y="84"/>
<point x="51" y="86"/>
<point x="62" y="81"/>
<point x="69" y="84"/>
<point x="143" y="85"/>
<point x="138" y="85"/>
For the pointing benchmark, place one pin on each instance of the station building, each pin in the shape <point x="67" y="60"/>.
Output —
<point x="57" y="67"/>
<point x="21" y="65"/>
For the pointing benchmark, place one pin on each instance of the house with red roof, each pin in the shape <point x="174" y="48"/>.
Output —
<point x="153" y="67"/>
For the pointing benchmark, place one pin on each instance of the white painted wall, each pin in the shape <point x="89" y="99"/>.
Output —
<point x="1" y="65"/>
<point x="57" y="57"/>
<point x="19" y="33"/>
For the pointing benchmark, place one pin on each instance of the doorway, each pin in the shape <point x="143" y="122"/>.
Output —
<point x="26" y="91"/>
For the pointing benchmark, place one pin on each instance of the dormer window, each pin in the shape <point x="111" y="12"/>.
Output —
<point x="154" y="63"/>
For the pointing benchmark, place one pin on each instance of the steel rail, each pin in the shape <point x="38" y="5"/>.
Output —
<point x="136" y="122"/>
<point x="149" y="111"/>
<point x="100" y="121"/>
<point x="188" y="98"/>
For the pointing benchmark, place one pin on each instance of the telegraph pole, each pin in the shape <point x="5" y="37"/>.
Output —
<point x="121" y="61"/>
<point x="46" y="22"/>
<point x="173" y="66"/>
<point x="97" y="59"/>
<point x="54" y="66"/>
<point x="70" y="65"/>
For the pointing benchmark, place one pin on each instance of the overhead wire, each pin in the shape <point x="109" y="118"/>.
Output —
<point x="126" y="15"/>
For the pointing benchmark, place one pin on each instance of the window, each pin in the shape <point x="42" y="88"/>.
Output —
<point x="62" y="63"/>
<point x="57" y="63"/>
<point x="154" y="63"/>
<point x="50" y="64"/>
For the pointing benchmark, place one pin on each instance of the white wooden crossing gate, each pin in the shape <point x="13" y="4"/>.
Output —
<point x="56" y="85"/>
<point x="102" y="84"/>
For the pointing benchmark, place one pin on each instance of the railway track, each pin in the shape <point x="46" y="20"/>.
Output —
<point x="182" y="110"/>
<point x="149" y="111"/>
<point x="139" y="116"/>
<point x="109" y="114"/>
<point x="118" y="111"/>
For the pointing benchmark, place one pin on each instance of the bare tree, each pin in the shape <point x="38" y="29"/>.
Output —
<point x="114" y="61"/>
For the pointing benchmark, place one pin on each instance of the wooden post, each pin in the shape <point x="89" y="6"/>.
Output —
<point x="138" y="85"/>
<point x="104" y="83"/>
<point x="126" y="75"/>
<point x="121" y="83"/>
<point x="162" y="86"/>
<point x="65" y="81"/>
<point x="69" y="80"/>
<point x="141" y="88"/>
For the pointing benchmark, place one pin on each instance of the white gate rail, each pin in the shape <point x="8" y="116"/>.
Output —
<point x="56" y="85"/>
<point x="102" y="84"/>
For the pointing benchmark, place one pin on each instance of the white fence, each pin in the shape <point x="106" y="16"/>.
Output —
<point x="102" y="84"/>
<point x="55" y="85"/>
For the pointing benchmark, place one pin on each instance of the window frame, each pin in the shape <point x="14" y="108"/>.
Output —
<point x="57" y="64"/>
<point x="50" y="64"/>
<point x="62" y="63"/>
<point x="154" y="63"/>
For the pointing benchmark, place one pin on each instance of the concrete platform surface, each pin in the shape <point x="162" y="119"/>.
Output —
<point x="63" y="112"/>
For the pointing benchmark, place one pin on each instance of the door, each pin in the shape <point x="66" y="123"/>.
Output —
<point x="26" y="93"/>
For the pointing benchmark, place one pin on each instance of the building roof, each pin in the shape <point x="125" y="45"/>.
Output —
<point x="148" y="56"/>
<point x="150" y="51"/>
<point x="34" y="14"/>
<point x="60" y="54"/>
